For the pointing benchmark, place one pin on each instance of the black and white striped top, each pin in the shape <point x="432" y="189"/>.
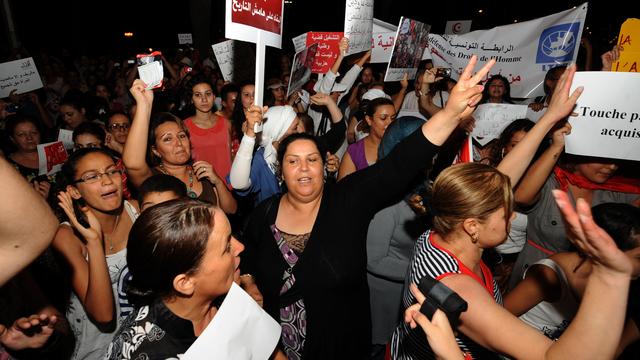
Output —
<point x="432" y="260"/>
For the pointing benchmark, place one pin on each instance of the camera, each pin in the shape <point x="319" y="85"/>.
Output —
<point x="443" y="72"/>
<point x="130" y="62"/>
<point x="12" y="108"/>
<point x="439" y="296"/>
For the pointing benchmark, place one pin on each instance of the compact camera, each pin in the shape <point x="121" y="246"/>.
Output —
<point x="443" y="72"/>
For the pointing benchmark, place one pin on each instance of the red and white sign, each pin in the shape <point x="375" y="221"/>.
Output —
<point x="51" y="156"/>
<point x="244" y="17"/>
<point x="457" y="27"/>
<point x="328" y="49"/>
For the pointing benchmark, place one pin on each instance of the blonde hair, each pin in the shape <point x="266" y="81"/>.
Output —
<point x="470" y="190"/>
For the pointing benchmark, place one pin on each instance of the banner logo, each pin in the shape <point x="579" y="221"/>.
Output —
<point x="557" y="43"/>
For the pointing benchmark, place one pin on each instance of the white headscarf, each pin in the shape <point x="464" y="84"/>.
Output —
<point x="372" y="94"/>
<point x="276" y="122"/>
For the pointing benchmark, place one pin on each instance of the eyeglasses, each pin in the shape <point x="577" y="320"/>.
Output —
<point x="119" y="126"/>
<point x="95" y="176"/>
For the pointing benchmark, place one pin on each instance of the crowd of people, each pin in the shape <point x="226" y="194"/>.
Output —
<point x="326" y="207"/>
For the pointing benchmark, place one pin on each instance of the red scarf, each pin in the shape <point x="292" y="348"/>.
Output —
<point x="615" y="183"/>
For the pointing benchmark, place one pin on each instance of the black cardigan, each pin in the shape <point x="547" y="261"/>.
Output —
<point x="332" y="271"/>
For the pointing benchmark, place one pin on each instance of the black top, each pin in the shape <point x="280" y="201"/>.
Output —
<point x="331" y="272"/>
<point x="152" y="332"/>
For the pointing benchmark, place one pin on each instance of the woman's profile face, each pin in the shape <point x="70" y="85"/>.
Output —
<point x="515" y="139"/>
<point x="247" y="94"/>
<point x="220" y="264"/>
<point x="383" y="116"/>
<point x="303" y="170"/>
<point x="596" y="172"/>
<point x="72" y="116"/>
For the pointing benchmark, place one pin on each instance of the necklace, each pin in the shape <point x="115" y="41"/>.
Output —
<point x="108" y="237"/>
<point x="190" y="192"/>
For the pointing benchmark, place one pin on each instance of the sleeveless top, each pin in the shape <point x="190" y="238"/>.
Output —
<point x="429" y="259"/>
<point x="357" y="153"/>
<point x="552" y="318"/>
<point x="212" y="145"/>
<point x="91" y="342"/>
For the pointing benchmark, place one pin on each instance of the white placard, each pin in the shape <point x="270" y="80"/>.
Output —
<point x="240" y="330"/>
<point x="523" y="51"/>
<point x="223" y="52"/>
<point x="382" y="46"/>
<point x="300" y="42"/>
<point x="383" y="26"/>
<point x="151" y="74"/>
<point x="20" y="75"/>
<point x="51" y="157"/>
<point x="608" y="121"/>
<point x="185" y="39"/>
<point x="491" y="119"/>
<point x="358" y="25"/>
<point x="245" y="19"/>
<point x="457" y="27"/>
<point x="66" y="136"/>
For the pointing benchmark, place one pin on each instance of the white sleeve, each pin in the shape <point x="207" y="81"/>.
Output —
<point x="349" y="79"/>
<point x="241" y="168"/>
<point x="326" y="84"/>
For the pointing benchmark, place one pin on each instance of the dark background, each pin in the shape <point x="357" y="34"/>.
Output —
<point x="97" y="27"/>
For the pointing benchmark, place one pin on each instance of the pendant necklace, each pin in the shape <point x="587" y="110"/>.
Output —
<point x="108" y="237"/>
<point x="190" y="192"/>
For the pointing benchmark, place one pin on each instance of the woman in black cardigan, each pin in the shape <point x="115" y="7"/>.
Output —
<point x="307" y="248"/>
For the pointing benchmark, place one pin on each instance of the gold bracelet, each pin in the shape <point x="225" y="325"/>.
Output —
<point x="247" y="275"/>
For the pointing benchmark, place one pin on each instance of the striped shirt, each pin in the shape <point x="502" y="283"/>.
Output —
<point x="429" y="259"/>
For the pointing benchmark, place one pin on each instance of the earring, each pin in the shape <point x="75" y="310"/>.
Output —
<point x="474" y="238"/>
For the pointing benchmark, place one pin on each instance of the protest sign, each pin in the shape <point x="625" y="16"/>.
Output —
<point x="491" y="119"/>
<point x="629" y="39"/>
<point x="299" y="42"/>
<point x="185" y="39"/>
<point x="223" y="52"/>
<point x="301" y="68"/>
<point x="258" y="21"/>
<point x="383" y="37"/>
<point x="20" y="75"/>
<point x="328" y="49"/>
<point x="66" y="136"/>
<point x="410" y="42"/>
<point x="457" y="27"/>
<point x="523" y="51"/>
<point x="358" y="25"/>
<point x="241" y="329"/>
<point x="51" y="156"/>
<point x="608" y="121"/>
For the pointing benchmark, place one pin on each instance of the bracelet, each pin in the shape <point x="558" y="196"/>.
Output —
<point x="247" y="275"/>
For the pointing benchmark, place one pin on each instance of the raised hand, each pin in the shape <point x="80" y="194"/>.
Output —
<point x="562" y="104"/>
<point x="591" y="239"/>
<point x="558" y="135"/>
<point x="204" y="170"/>
<point x="254" y="116"/>
<point x="343" y="45"/>
<point x="94" y="232"/>
<point x="143" y="97"/>
<point x="333" y="163"/>
<point x="467" y="93"/>
<point x="439" y="333"/>
<point x="610" y="57"/>
<point x="28" y="333"/>
<point x="321" y="99"/>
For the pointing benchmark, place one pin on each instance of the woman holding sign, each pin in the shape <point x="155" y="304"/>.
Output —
<point x="166" y="143"/>
<point x="307" y="247"/>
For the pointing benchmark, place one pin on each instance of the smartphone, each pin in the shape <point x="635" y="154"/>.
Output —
<point x="439" y="296"/>
<point x="443" y="72"/>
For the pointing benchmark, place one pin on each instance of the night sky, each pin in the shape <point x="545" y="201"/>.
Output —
<point x="98" y="26"/>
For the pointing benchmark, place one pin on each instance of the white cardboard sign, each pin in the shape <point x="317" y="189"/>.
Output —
<point x="358" y="25"/>
<point x="491" y="119"/>
<point x="608" y="121"/>
<point x="223" y="52"/>
<point x="20" y="75"/>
